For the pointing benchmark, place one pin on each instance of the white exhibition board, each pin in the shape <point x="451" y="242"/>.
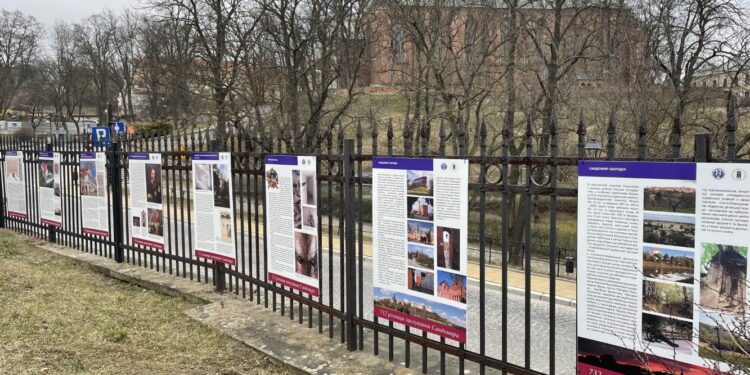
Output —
<point x="214" y="227"/>
<point x="292" y="222"/>
<point x="92" y="177"/>
<point x="146" y="206"/>
<point x="50" y="199"/>
<point x="15" y="184"/>
<point x="662" y="265"/>
<point x="420" y="238"/>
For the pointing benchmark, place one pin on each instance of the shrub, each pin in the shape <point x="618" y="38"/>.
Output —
<point x="24" y="134"/>
<point x="146" y="127"/>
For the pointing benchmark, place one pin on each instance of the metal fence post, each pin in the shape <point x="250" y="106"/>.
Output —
<point x="3" y="199"/>
<point x="702" y="148"/>
<point x="220" y="281"/>
<point x="350" y="275"/>
<point x="115" y="179"/>
<point x="51" y="230"/>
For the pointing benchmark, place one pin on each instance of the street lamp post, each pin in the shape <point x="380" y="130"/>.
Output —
<point x="593" y="149"/>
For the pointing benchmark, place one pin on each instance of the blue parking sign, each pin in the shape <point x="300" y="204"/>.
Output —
<point x="120" y="128"/>
<point x="100" y="136"/>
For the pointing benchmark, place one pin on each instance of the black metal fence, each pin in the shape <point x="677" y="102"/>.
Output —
<point x="524" y="192"/>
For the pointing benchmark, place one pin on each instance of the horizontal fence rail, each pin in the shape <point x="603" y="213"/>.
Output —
<point x="522" y="222"/>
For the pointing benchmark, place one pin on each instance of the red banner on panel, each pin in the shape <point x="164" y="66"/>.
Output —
<point x="294" y="284"/>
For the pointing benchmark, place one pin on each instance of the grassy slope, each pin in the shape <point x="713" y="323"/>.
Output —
<point x="57" y="316"/>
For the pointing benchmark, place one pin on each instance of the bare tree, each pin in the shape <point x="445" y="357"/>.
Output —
<point x="452" y="70"/>
<point x="561" y="37"/>
<point x="315" y="46"/>
<point x="20" y="36"/>
<point x="68" y="78"/>
<point x="685" y="38"/>
<point x="36" y="97"/>
<point x="127" y="53"/>
<point x="96" y="41"/>
<point x="166" y="69"/>
<point x="222" y="30"/>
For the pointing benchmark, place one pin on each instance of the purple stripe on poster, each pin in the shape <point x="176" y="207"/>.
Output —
<point x="402" y="163"/>
<point x="11" y="153"/>
<point x="637" y="169"/>
<point x="281" y="159"/>
<point x="138" y="156"/>
<point x="88" y="155"/>
<point x="46" y="154"/>
<point x="205" y="155"/>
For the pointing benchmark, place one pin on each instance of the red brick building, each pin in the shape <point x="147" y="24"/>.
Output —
<point x="473" y="36"/>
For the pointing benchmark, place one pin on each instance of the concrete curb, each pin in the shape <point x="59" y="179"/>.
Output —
<point x="283" y="340"/>
<point x="534" y="295"/>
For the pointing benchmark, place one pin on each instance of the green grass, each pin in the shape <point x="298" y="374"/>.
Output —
<point x="734" y="358"/>
<point x="419" y="191"/>
<point x="60" y="318"/>
<point x="682" y="210"/>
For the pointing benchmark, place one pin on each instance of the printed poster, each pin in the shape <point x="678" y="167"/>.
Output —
<point x="292" y="222"/>
<point x="146" y="207"/>
<point x="420" y="216"/>
<point x="15" y="184"/>
<point x="92" y="176"/>
<point x="663" y="270"/>
<point x="50" y="200"/>
<point x="214" y="207"/>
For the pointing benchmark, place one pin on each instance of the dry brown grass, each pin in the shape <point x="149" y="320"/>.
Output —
<point x="59" y="318"/>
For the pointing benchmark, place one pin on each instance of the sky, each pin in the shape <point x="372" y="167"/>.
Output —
<point x="665" y="251"/>
<point x="47" y="12"/>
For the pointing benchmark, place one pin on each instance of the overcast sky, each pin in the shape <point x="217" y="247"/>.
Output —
<point x="48" y="11"/>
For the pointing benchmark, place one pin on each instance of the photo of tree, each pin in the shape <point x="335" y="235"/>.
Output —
<point x="221" y="176"/>
<point x="671" y="333"/>
<point x="724" y="282"/>
<point x="668" y="299"/>
<point x="421" y="256"/>
<point x="672" y="230"/>
<point x="669" y="199"/>
<point x="722" y="338"/>
<point x="668" y="264"/>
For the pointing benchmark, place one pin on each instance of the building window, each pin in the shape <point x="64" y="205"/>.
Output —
<point x="704" y="83"/>
<point x="747" y="78"/>
<point x="713" y="83"/>
<point x="398" y="43"/>
<point x="724" y="83"/>
<point x="472" y="41"/>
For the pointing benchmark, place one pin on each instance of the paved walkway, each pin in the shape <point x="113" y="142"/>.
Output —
<point x="565" y="289"/>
